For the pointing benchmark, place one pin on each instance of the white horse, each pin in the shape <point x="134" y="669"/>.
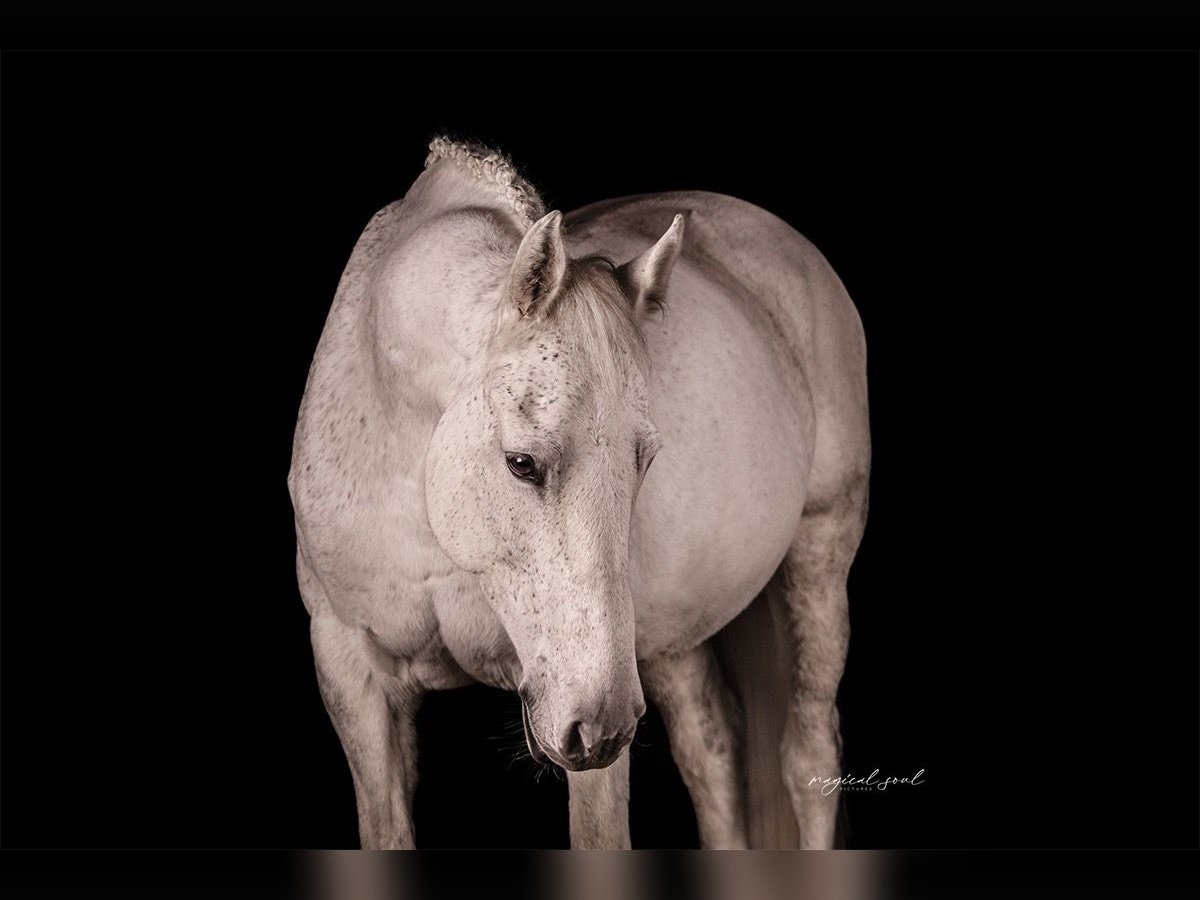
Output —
<point x="475" y="501"/>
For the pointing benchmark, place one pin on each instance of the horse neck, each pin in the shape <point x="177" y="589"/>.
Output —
<point x="445" y="186"/>
<point x="434" y="309"/>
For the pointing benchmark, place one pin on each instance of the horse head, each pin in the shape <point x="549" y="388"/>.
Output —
<point x="532" y="474"/>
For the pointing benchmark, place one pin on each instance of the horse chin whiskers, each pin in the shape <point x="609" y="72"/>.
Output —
<point x="544" y="768"/>
<point x="536" y="751"/>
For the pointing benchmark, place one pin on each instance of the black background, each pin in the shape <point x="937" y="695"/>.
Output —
<point x="1017" y="230"/>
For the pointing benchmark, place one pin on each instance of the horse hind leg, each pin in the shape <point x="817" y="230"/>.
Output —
<point x="814" y="592"/>
<point x="700" y="715"/>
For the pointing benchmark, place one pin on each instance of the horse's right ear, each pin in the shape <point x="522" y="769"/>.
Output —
<point x="539" y="266"/>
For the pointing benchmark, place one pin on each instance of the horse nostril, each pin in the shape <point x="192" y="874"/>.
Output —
<point x="573" y="744"/>
<point x="639" y="711"/>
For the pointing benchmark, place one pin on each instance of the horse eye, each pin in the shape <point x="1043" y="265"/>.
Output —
<point x="522" y="465"/>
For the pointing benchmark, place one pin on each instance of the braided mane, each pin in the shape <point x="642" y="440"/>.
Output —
<point x="484" y="164"/>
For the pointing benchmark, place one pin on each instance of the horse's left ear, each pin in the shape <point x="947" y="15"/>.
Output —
<point x="645" y="277"/>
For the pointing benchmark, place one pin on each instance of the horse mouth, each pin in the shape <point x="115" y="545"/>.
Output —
<point x="535" y="749"/>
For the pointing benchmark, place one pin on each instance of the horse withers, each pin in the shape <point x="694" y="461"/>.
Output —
<point x="595" y="458"/>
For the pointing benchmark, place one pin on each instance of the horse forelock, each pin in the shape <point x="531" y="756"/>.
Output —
<point x="594" y="321"/>
<point x="490" y="167"/>
<point x="597" y="314"/>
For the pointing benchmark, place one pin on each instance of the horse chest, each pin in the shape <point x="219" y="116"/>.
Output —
<point x="425" y="589"/>
<point x="382" y="569"/>
<point x="474" y="636"/>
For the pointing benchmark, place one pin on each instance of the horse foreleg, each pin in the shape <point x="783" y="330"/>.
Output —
<point x="699" y="712"/>
<point x="600" y="807"/>
<point x="373" y="716"/>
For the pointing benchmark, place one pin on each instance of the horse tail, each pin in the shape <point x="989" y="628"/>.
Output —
<point x="755" y="657"/>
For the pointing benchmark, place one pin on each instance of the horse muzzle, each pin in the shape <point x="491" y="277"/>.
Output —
<point x="582" y="745"/>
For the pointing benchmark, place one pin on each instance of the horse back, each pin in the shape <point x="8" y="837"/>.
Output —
<point x="754" y="260"/>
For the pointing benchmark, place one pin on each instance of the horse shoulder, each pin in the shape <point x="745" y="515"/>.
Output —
<point x="357" y="497"/>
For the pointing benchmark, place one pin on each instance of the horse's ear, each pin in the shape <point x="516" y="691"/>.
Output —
<point x="645" y="277"/>
<point x="539" y="266"/>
